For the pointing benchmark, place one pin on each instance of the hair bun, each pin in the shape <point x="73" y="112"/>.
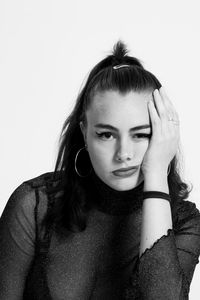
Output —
<point x="120" y="50"/>
<point x="119" y="55"/>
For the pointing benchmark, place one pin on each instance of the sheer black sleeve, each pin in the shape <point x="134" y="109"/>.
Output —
<point x="165" y="271"/>
<point x="17" y="238"/>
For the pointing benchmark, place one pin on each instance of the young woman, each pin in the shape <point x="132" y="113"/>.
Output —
<point x="112" y="221"/>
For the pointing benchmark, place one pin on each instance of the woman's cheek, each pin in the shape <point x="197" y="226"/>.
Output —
<point x="96" y="151"/>
<point x="142" y="150"/>
<point x="102" y="147"/>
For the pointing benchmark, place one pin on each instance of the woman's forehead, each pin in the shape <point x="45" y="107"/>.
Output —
<point x="112" y="105"/>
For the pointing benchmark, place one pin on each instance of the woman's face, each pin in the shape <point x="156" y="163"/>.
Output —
<point x="117" y="136"/>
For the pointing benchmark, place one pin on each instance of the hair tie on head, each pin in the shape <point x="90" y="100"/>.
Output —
<point x="120" y="66"/>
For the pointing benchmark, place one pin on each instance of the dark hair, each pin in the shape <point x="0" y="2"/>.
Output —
<point x="70" y="207"/>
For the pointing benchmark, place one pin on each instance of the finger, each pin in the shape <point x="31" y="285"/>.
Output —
<point x="161" y="109"/>
<point x="172" y="113"/>
<point x="165" y="96"/>
<point x="167" y="101"/>
<point x="154" y="118"/>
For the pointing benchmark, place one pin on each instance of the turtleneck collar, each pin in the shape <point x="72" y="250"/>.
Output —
<point x="111" y="201"/>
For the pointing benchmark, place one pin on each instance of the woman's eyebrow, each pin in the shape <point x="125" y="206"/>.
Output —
<point x="108" y="126"/>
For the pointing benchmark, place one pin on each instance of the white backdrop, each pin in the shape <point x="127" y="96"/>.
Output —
<point x="49" y="46"/>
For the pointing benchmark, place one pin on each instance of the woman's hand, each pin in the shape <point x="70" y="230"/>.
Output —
<point x="165" y="134"/>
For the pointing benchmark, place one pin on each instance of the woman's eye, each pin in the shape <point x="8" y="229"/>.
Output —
<point x="142" y="135"/>
<point x="109" y="136"/>
<point x="105" y="135"/>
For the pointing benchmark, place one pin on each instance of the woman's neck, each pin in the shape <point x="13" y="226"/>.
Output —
<point x="110" y="201"/>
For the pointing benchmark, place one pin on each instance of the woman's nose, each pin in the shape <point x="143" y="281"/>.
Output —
<point x="124" y="152"/>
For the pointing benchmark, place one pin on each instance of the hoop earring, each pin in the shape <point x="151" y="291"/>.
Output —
<point x="75" y="164"/>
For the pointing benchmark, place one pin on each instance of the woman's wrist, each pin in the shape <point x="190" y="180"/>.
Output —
<point x="156" y="181"/>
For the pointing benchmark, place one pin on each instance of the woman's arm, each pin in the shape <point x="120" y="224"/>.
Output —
<point x="162" y="271"/>
<point x="165" y="269"/>
<point x="162" y="148"/>
<point x="17" y="238"/>
<point x="156" y="213"/>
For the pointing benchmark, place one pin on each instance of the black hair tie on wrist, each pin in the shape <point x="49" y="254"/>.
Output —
<point x="156" y="194"/>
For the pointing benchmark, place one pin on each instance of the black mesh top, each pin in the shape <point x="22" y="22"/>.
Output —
<point x="101" y="262"/>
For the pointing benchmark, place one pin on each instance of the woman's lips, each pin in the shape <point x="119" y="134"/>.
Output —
<point x="125" y="172"/>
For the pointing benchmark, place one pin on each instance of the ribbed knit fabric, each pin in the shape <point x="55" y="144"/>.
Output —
<point x="113" y="202"/>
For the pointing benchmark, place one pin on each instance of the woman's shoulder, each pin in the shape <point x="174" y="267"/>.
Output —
<point x="44" y="179"/>
<point x="40" y="190"/>
<point x="187" y="207"/>
<point x="31" y="193"/>
<point x="186" y="212"/>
